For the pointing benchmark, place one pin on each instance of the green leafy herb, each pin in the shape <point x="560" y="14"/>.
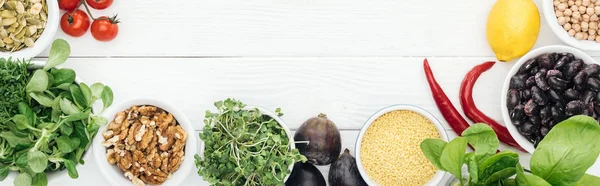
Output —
<point x="432" y="149"/>
<point x="52" y="125"/>
<point x="452" y="158"/>
<point x="588" y="180"/>
<point x="529" y="179"/>
<point x="244" y="147"/>
<point x="482" y="138"/>
<point x="14" y="77"/>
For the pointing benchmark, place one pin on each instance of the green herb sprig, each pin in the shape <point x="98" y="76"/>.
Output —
<point x="54" y="124"/>
<point x="244" y="147"/>
<point x="561" y="158"/>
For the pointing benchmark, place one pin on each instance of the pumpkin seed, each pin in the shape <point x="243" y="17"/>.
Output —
<point x="22" y="23"/>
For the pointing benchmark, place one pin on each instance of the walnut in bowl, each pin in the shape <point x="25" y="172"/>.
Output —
<point x="145" y="142"/>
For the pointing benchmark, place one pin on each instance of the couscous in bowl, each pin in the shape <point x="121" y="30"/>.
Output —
<point x="388" y="147"/>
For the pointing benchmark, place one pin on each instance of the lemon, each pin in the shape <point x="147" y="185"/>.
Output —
<point x="512" y="28"/>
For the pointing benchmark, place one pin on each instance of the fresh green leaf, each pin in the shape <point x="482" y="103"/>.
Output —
<point x="38" y="82"/>
<point x="77" y="117"/>
<point x="64" y="86"/>
<point x="59" y="53"/>
<point x="66" y="144"/>
<point x="569" y="149"/>
<point x="21" y="122"/>
<point x="14" y="77"/>
<point x="500" y="175"/>
<point x="22" y="179"/>
<point x="473" y="166"/>
<point x="432" y="149"/>
<point x="498" y="162"/>
<point x="87" y="93"/>
<point x="452" y="158"/>
<point x="528" y="179"/>
<point x="68" y="107"/>
<point x="509" y="182"/>
<point x="97" y="89"/>
<point x="41" y="98"/>
<point x="107" y="97"/>
<point x="81" y="132"/>
<point x="63" y="76"/>
<point x="66" y="128"/>
<point x="78" y="97"/>
<point x="26" y="110"/>
<point x="4" y="170"/>
<point x="37" y="161"/>
<point x="40" y="180"/>
<point x="71" y="169"/>
<point x="15" y="141"/>
<point x="482" y="138"/>
<point x="588" y="180"/>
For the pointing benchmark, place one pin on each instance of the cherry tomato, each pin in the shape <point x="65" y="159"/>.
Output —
<point x="68" y="5"/>
<point x="99" y="4"/>
<point x="75" y="24"/>
<point x="105" y="29"/>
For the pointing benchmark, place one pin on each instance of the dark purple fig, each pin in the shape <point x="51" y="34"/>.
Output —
<point x="535" y="120"/>
<point x="531" y="108"/>
<point x="544" y="131"/>
<point x="558" y="113"/>
<point x="588" y="96"/>
<point x="540" y="81"/>
<point x="594" y="84"/>
<point x="526" y="95"/>
<point x="513" y="99"/>
<point x="538" y="96"/>
<point x="518" y="113"/>
<point x="546" y="61"/>
<point x="562" y="62"/>
<point x="554" y="96"/>
<point x="517" y="83"/>
<point x="526" y="129"/>
<point x="305" y="174"/>
<point x="324" y="140"/>
<point x="545" y="112"/>
<point x="557" y="83"/>
<point x="553" y="72"/>
<point x="592" y="69"/>
<point x="530" y="81"/>
<point x="571" y="94"/>
<point x="344" y="172"/>
<point x="575" y="107"/>
<point x="580" y="78"/>
<point x="527" y="66"/>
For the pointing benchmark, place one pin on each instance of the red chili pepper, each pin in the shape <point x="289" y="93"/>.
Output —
<point x="471" y="110"/>
<point x="452" y="116"/>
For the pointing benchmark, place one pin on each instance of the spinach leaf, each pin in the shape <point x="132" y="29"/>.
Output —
<point x="528" y="179"/>
<point x="38" y="82"/>
<point x="41" y="98"/>
<point x="4" y="170"/>
<point x="452" y="157"/>
<point x="66" y="144"/>
<point x="63" y="76"/>
<point x="78" y="97"/>
<point x="501" y="175"/>
<point x="71" y="168"/>
<point x="482" y="138"/>
<point x="569" y="149"/>
<point x="432" y="149"/>
<point x="59" y="53"/>
<point x="509" y="182"/>
<point x="22" y="179"/>
<point x="39" y="180"/>
<point x="37" y="161"/>
<point x="588" y="180"/>
<point x="498" y="162"/>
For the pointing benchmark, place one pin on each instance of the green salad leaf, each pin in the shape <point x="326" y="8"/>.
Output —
<point x="452" y="158"/>
<point x="244" y="147"/>
<point x="529" y="179"/>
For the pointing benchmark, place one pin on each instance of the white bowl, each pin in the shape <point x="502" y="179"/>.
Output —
<point x="561" y="33"/>
<point x="439" y="175"/>
<point x="521" y="140"/>
<point x="281" y="123"/>
<point x="114" y="175"/>
<point x="44" y="40"/>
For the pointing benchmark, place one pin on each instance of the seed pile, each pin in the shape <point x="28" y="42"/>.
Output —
<point x="23" y="22"/>
<point x="550" y="88"/>
<point x="579" y="18"/>
<point x="390" y="149"/>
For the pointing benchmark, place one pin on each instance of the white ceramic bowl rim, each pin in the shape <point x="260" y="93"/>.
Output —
<point x="115" y="175"/>
<point x="439" y="175"/>
<point x="276" y="118"/>
<point x="44" y="40"/>
<point x="521" y="140"/>
<point x="561" y="33"/>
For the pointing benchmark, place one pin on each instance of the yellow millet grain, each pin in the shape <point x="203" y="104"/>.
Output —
<point x="390" y="149"/>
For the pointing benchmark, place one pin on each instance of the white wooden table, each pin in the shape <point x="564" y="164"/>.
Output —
<point x="345" y="58"/>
